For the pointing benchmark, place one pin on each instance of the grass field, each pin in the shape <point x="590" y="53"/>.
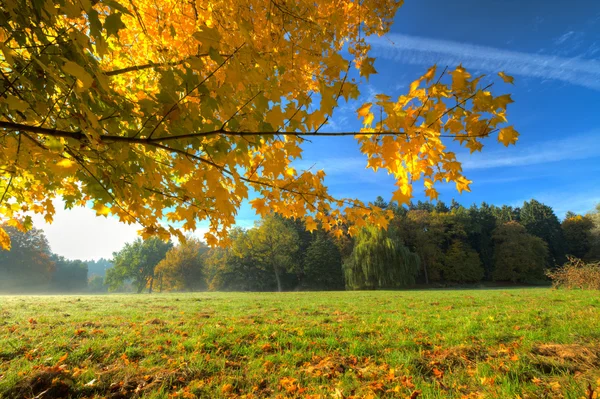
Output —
<point x="532" y="343"/>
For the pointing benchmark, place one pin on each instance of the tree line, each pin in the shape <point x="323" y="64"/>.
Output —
<point x="424" y="245"/>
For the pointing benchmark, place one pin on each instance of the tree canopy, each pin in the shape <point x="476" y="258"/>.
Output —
<point x="169" y="113"/>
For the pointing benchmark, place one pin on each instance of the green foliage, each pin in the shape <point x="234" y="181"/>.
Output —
<point x="462" y="264"/>
<point x="322" y="265"/>
<point x="379" y="260"/>
<point x="234" y="269"/>
<point x="540" y="220"/>
<point x="136" y="262"/>
<point x="518" y="256"/>
<point x="594" y="252"/>
<point x="272" y="244"/>
<point x="577" y="231"/>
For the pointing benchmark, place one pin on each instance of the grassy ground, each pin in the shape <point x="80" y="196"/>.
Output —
<point x="530" y="343"/>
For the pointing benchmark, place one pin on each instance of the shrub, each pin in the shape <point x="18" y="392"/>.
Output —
<point x="576" y="274"/>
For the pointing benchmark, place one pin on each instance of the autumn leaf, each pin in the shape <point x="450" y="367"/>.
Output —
<point x="508" y="136"/>
<point x="506" y="78"/>
<point x="4" y="240"/>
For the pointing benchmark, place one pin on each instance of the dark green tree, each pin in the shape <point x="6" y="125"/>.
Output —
<point x="540" y="220"/>
<point x="461" y="264"/>
<point x="136" y="262"/>
<point x="577" y="231"/>
<point x="323" y="264"/>
<point x="518" y="255"/>
<point x="481" y="223"/>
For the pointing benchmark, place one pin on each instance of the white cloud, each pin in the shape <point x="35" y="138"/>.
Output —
<point x="574" y="147"/>
<point x="79" y="234"/>
<point x="424" y="51"/>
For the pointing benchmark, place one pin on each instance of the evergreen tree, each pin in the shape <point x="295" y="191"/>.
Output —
<point x="540" y="220"/>
<point x="323" y="265"/>
<point x="481" y="224"/>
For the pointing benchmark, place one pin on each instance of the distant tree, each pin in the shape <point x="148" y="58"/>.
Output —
<point x="182" y="269"/>
<point x="69" y="275"/>
<point x="28" y="266"/>
<point x="273" y="244"/>
<point x="506" y="214"/>
<point x="96" y="284"/>
<point x="137" y="262"/>
<point x="518" y="255"/>
<point x="441" y="207"/>
<point x="424" y="237"/>
<point x="454" y="205"/>
<point x="577" y="231"/>
<point x="323" y="265"/>
<point x="98" y="267"/>
<point x="380" y="260"/>
<point x="462" y="264"/>
<point x="594" y="252"/>
<point x="234" y="269"/>
<point x="540" y="220"/>
<point x="481" y="223"/>
<point x="380" y="202"/>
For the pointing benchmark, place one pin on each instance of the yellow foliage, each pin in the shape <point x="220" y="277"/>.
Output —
<point x="173" y="112"/>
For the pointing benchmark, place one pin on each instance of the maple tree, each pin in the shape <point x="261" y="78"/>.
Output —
<point x="169" y="113"/>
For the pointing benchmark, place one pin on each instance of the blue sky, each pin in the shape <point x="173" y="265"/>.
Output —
<point x="551" y="48"/>
<point x="553" y="51"/>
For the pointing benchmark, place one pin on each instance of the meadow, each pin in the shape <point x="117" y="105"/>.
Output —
<point x="496" y="343"/>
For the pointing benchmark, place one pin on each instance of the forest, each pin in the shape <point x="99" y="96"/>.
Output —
<point x="425" y="245"/>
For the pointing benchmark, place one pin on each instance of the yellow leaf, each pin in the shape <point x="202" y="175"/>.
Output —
<point x="80" y="73"/>
<point x="459" y="78"/>
<point x="14" y="103"/>
<point x="4" y="240"/>
<point x="101" y="209"/>
<point x="259" y="205"/>
<point x="364" y="110"/>
<point x="367" y="68"/>
<point x="508" y="136"/>
<point x="430" y="74"/>
<point x="414" y="85"/>
<point x="66" y="163"/>
<point x="310" y="223"/>
<point x="506" y="78"/>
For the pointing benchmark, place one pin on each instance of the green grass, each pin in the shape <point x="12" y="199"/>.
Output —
<point x="465" y="343"/>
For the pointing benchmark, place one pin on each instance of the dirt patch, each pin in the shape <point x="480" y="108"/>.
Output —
<point x="49" y="383"/>
<point x="565" y="357"/>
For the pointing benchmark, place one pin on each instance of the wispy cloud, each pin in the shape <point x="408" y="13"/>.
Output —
<point x="424" y="51"/>
<point x="581" y="146"/>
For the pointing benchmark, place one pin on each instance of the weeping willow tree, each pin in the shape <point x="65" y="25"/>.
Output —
<point x="380" y="260"/>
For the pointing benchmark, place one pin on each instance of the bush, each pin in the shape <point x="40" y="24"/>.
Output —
<point x="576" y="274"/>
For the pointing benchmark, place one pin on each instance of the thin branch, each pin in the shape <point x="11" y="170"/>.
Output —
<point x="194" y="89"/>
<point x="428" y="97"/>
